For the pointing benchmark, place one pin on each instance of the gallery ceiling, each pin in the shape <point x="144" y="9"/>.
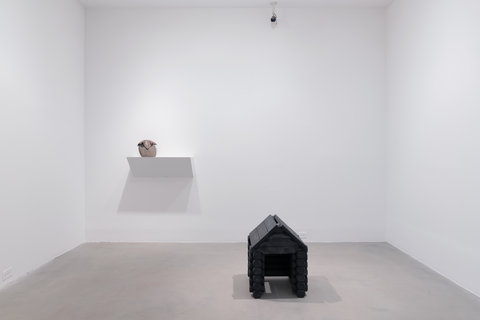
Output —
<point x="232" y="3"/>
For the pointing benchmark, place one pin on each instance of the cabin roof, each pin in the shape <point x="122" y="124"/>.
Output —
<point x="271" y="225"/>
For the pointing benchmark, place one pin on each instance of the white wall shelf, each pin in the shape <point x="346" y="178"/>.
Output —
<point x="180" y="167"/>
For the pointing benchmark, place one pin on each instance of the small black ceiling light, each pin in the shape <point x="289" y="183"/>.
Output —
<point x="273" y="19"/>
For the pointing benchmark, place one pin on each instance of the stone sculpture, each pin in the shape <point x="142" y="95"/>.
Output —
<point x="147" y="148"/>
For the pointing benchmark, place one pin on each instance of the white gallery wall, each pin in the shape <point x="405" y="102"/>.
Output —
<point x="294" y="120"/>
<point x="41" y="132"/>
<point x="434" y="135"/>
<point x="287" y="120"/>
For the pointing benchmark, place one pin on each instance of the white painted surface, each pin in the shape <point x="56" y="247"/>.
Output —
<point x="41" y="132"/>
<point x="232" y="3"/>
<point x="434" y="149"/>
<point x="299" y="109"/>
<point x="286" y="121"/>
<point x="155" y="167"/>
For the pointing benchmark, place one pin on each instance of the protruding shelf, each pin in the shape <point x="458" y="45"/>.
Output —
<point x="161" y="167"/>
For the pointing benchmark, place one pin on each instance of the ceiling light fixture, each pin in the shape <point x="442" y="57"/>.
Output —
<point x="273" y="19"/>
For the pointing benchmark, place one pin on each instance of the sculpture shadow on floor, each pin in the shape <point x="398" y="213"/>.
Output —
<point x="159" y="195"/>
<point x="278" y="289"/>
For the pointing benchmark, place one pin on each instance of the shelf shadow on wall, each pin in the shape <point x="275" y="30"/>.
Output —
<point x="160" y="195"/>
<point x="319" y="290"/>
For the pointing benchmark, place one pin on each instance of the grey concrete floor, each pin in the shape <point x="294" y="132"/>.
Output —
<point x="208" y="281"/>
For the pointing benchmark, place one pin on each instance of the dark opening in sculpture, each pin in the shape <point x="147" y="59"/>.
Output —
<point x="276" y="250"/>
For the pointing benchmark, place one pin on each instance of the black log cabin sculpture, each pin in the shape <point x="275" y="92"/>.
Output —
<point x="276" y="250"/>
